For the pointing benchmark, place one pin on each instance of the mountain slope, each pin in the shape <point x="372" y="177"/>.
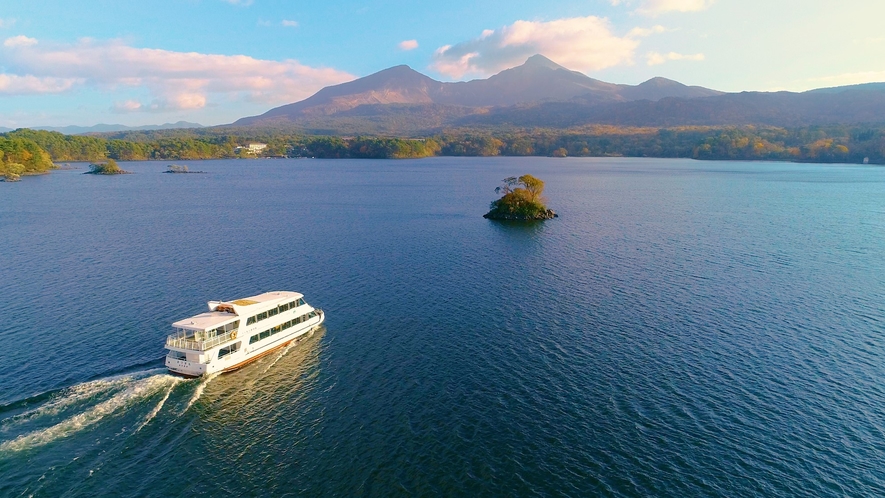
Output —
<point x="541" y="93"/>
<point x="786" y="109"/>
<point x="538" y="80"/>
<point x="396" y="85"/>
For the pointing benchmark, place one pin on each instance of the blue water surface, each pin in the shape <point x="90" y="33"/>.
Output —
<point x="683" y="328"/>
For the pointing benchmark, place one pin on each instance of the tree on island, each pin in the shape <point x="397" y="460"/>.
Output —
<point x="108" y="168"/>
<point x="522" y="200"/>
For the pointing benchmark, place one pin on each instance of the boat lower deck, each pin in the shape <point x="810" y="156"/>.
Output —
<point x="250" y="359"/>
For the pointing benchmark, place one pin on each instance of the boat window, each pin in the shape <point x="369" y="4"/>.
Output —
<point x="301" y="302"/>
<point x="272" y="311"/>
<point x="265" y="334"/>
<point x="284" y="307"/>
<point x="177" y="355"/>
<point x="293" y="304"/>
<point x="262" y="316"/>
<point x="250" y="320"/>
<point x="287" y="325"/>
<point x="255" y="338"/>
<point x="228" y="350"/>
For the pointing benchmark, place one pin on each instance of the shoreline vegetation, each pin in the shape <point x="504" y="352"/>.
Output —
<point x="28" y="152"/>
<point x="22" y="157"/>
<point x="522" y="200"/>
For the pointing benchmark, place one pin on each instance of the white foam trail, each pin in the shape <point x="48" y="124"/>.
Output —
<point x="199" y="390"/>
<point x="74" y="395"/>
<point x="159" y="406"/>
<point x="136" y="390"/>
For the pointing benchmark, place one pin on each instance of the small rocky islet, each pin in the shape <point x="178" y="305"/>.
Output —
<point x="522" y="200"/>
<point x="107" y="168"/>
<point x="180" y="169"/>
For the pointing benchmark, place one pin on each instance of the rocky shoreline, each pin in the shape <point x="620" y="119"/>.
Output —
<point x="543" y="215"/>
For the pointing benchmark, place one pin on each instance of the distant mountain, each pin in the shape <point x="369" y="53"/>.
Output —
<point x="840" y="89"/>
<point x="541" y="93"/>
<point x="786" y="109"/>
<point x="662" y="88"/>
<point x="538" y="80"/>
<point x="105" y="128"/>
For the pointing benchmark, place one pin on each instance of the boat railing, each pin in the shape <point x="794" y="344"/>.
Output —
<point x="197" y="343"/>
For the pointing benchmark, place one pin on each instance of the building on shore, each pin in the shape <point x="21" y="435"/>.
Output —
<point x="253" y="148"/>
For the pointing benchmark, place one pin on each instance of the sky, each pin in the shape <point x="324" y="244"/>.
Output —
<point x="86" y="62"/>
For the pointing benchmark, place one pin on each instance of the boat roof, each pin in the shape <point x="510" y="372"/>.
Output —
<point x="205" y="321"/>
<point x="246" y="306"/>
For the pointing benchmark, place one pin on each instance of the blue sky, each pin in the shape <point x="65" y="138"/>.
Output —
<point x="213" y="61"/>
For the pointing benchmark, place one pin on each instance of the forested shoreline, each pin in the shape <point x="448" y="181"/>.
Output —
<point x="26" y="151"/>
<point x="19" y="157"/>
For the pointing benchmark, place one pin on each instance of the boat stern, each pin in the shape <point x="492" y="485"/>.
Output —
<point x="182" y="366"/>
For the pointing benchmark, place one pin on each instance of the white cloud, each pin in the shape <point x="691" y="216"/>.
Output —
<point x="13" y="84"/>
<point x="408" y="44"/>
<point x="655" y="58"/>
<point x="289" y="24"/>
<point x="127" y="106"/>
<point x="645" y="32"/>
<point x="655" y="7"/>
<point x="582" y="43"/>
<point x="19" y="41"/>
<point x="7" y="23"/>
<point x="176" y="80"/>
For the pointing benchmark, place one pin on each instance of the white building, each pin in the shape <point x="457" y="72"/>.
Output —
<point x="251" y="148"/>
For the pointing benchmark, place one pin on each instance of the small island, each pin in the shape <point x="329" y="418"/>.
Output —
<point x="108" y="168"/>
<point x="522" y="201"/>
<point x="175" y="168"/>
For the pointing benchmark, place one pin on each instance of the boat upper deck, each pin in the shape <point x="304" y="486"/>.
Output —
<point x="223" y="312"/>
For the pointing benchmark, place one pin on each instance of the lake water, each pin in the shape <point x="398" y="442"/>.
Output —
<point x="683" y="329"/>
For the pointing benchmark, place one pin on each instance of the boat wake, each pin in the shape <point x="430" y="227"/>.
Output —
<point x="199" y="390"/>
<point x="156" y="410"/>
<point x="83" y="406"/>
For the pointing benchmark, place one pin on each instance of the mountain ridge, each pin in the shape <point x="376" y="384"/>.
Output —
<point x="109" y="128"/>
<point x="538" y="80"/>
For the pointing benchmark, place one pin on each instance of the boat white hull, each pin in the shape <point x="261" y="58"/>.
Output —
<point x="245" y="354"/>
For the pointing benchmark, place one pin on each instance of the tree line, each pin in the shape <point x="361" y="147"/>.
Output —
<point x="851" y="144"/>
<point x="22" y="157"/>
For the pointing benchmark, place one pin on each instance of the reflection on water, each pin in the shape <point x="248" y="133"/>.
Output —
<point x="274" y="380"/>
<point x="522" y="235"/>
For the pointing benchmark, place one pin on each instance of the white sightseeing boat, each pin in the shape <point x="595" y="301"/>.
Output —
<point x="219" y="341"/>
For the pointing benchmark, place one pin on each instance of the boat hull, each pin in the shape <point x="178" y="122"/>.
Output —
<point x="244" y="356"/>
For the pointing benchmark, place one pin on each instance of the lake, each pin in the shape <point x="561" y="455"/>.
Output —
<point x="683" y="328"/>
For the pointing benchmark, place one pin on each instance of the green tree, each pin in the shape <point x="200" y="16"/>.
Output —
<point x="534" y="187"/>
<point x="521" y="200"/>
